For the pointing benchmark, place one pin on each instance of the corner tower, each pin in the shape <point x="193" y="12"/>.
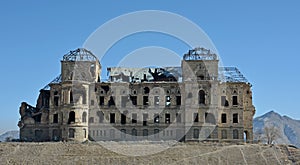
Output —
<point x="80" y="70"/>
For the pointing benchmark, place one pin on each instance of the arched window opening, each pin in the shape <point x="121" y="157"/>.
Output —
<point x="145" y="133"/>
<point x="71" y="133"/>
<point x="71" y="97"/>
<point x="246" y="138"/>
<point x="84" y="117"/>
<point x="71" y="117"/>
<point x="101" y="116"/>
<point x="201" y="97"/>
<point x="146" y="90"/>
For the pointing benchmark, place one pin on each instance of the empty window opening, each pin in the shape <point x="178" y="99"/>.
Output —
<point x="235" y="118"/>
<point x="224" y="102"/>
<point x="201" y="77"/>
<point x="178" y="100"/>
<point x="71" y="132"/>
<point x="201" y="97"/>
<point x="133" y="100"/>
<point x="145" y="118"/>
<point x="105" y="88"/>
<point x="168" y="101"/>
<point x="123" y="119"/>
<point x="156" y="118"/>
<point x="55" y="135"/>
<point x="196" y="118"/>
<point x="101" y="100"/>
<point x="56" y="100"/>
<point x="235" y="134"/>
<point x="167" y="118"/>
<point x="178" y="117"/>
<point x="112" y="118"/>
<point x="84" y="133"/>
<point x="145" y="100"/>
<point x="55" y="118"/>
<point x="224" y="134"/>
<point x="124" y="100"/>
<point x="111" y="101"/>
<point x="71" y="117"/>
<point x="84" y="117"/>
<point x="234" y="100"/>
<point x="134" y="118"/>
<point x="196" y="134"/>
<point x="101" y="116"/>
<point x="71" y="97"/>
<point x="156" y="100"/>
<point x="146" y="90"/>
<point x="92" y="102"/>
<point x="210" y="118"/>
<point x="223" y="118"/>
<point x="91" y="120"/>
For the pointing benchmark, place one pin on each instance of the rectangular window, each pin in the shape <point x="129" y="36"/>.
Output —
<point x="234" y="100"/>
<point x="92" y="102"/>
<point x="224" y="134"/>
<point x="145" y="118"/>
<point x="56" y="100"/>
<point x="111" y="133"/>
<point x="55" y="118"/>
<point x="134" y="118"/>
<point x="112" y="118"/>
<point x="235" y="118"/>
<point x="156" y="118"/>
<point x="196" y="134"/>
<point x="224" y="102"/>
<point x="196" y="118"/>
<point x="124" y="100"/>
<point x="133" y="100"/>
<point x="167" y="118"/>
<point x="178" y="117"/>
<point x="223" y="118"/>
<point x="145" y="100"/>
<point x="101" y="100"/>
<point x="178" y="100"/>
<point x="123" y="119"/>
<point x="168" y="101"/>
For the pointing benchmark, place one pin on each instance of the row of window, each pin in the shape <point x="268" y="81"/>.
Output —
<point x="235" y="134"/>
<point x="156" y="101"/>
<point x="133" y="132"/>
<point x="209" y="118"/>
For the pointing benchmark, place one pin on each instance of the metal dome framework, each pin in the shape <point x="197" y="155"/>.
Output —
<point x="200" y="54"/>
<point x="80" y="54"/>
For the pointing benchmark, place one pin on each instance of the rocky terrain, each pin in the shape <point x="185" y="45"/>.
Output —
<point x="288" y="129"/>
<point x="178" y="153"/>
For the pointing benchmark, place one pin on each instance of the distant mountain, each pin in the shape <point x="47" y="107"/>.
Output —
<point x="12" y="134"/>
<point x="288" y="128"/>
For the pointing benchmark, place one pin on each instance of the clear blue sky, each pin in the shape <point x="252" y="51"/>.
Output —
<point x="261" y="38"/>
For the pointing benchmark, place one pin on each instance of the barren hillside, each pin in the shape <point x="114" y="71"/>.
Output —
<point x="192" y="153"/>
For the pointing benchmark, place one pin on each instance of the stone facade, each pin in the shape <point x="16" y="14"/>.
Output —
<point x="197" y="101"/>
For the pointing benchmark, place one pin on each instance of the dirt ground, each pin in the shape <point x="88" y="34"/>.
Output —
<point x="159" y="153"/>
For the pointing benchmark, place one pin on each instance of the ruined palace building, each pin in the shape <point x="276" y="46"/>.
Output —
<point x="196" y="101"/>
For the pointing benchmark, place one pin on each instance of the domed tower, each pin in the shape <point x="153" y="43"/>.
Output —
<point x="80" y="70"/>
